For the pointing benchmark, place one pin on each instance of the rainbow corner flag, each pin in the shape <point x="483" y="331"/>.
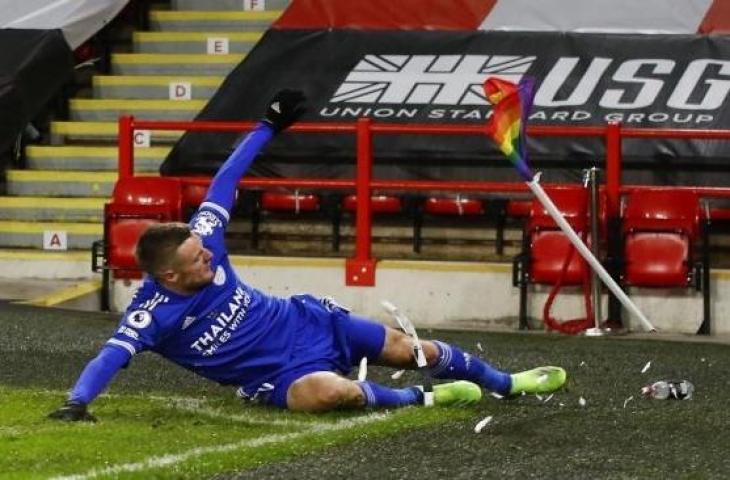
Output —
<point x="512" y="105"/>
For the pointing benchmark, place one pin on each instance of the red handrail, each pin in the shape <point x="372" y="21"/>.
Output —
<point x="360" y="270"/>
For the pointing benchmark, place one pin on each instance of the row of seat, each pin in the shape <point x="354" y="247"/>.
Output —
<point x="336" y="207"/>
<point x="659" y="233"/>
<point x="138" y="201"/>
<point x="663" y="243"/>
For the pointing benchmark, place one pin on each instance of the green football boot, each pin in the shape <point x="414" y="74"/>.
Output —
<point x="538" y="380"/>
<point x="456" y="394"/>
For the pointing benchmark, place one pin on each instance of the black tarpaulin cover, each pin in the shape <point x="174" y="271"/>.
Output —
<point x="34" y="65"/>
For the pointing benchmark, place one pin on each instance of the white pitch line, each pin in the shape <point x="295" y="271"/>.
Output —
<point x="198" y="406"/>
<point x="172" y="459"/>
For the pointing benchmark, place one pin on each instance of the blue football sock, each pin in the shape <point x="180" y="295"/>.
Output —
<point x="379" y="396"/>
<point x="455" y="364"/>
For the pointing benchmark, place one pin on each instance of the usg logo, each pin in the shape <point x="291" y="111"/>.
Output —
<point x="427" y="79"/>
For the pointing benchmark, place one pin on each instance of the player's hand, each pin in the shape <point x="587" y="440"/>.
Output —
<point x="72" y="412"/>
<point x="284" y="109"/>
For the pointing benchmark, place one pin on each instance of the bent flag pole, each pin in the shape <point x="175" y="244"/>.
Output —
<point x="512" y="104"/>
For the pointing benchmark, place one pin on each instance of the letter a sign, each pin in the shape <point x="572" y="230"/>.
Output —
<point x="55" y="240"/>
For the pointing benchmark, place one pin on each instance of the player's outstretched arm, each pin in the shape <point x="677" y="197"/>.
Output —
<point x="95" y="377"/>
<point x="284" y="109"/>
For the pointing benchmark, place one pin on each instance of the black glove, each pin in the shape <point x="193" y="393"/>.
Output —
<point x="284" y="109"/>
<point x="72" y="412"/>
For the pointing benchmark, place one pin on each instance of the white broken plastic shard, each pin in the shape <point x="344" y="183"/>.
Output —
<point x="549" y="397"/>
<point x="646" y="367"/>
<point x="582" y="364"/>
<point x="479" y="347"/>
<point x="362" y="371"/>
<point x="582" y="402"/>
<point x="482" y="423"/>
<point x="496" y="395"/>
<point x="539" y="397"/>
<point x="628" y="400"/>
<point x="397" y="374"/>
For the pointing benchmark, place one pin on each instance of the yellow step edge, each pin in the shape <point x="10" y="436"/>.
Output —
<point x="40" y="227"/>
<point x="64" y="128"/>
<point x="212" y="81"/>
<point x="132" y="104"/>
<point x="66" y="176"/>
<point x="84" y="151"/>
<point x="144" y="37"/>
<point x="44" y="255"/>
<point x="191" y="15"/>
<point x="175" y="58"/>
<point x="64" y="294"/>
<point x="61" y="203"/>
<point x="99" y="128"/>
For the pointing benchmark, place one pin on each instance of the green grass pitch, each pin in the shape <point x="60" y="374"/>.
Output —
<point x="158" y="421"/>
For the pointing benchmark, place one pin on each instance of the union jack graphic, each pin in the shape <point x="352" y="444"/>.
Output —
<point x="427" y="79"/>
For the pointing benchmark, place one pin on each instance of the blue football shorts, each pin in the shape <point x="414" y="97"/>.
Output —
<point x="352" y="338"/>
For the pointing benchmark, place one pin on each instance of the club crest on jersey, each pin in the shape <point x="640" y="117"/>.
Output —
<point x="220" y="276"/>
<point x="205" y="222"/>
<point x="139" y="319"/>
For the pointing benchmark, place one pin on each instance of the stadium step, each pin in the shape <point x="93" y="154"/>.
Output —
<point x="230" y="5"/>
<point x="154" y="86"/>
<point x="173" y="64"/>
<point x="66" y="184"/>
<point x="42" y="209"/>
<point x="87" y="158"/>
<point x="29" y="234"/>
<point x="85" y="109"/>
<point x="212" y="21"/>
<point x="69" y="132"/>
<point x="195" y="42"/>
<point x="70" y="183"/>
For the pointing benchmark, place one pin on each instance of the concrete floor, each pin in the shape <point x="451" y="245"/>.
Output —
<point x="27" y="289"/>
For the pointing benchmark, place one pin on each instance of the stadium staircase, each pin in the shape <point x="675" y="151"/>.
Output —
<point x="66" y="181"/>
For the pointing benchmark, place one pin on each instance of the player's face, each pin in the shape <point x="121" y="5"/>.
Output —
<point x="193" y="265"/>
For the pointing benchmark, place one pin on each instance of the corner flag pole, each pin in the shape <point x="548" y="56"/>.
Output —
<point x="585" y="252"/>
<point x="409" y="329"/>
<point x="506" y="127"/>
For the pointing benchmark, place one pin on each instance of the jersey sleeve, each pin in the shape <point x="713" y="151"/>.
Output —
<point x="137" y="332"/>
<point x="98" y="373"/>
<point x="222" y="192"/>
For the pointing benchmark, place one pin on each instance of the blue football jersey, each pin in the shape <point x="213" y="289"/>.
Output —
<point x="228" y="332"/>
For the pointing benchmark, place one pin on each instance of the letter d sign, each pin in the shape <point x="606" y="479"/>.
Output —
<point x="181" y="91"/>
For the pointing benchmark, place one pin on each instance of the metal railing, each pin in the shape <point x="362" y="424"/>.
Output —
<point x="360" y="269"/>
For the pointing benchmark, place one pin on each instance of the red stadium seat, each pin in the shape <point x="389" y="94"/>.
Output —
<point x="289" y="202"/>
<point x="546" y="248"/>
<point x="519" y="208"/>
<point x="379" y="205"/>
<point x="193" y="196"/>
<point x="281" y="203"/>
<point x="455" y="207"/>
<point x="136" y="203"/>
<point x="149" y="191"/>
<point x="661" y="231"/>
<point x="549" y="247"/>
